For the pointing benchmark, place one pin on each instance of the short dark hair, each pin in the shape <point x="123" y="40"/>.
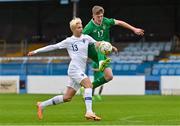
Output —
<point x="97" y="10"/>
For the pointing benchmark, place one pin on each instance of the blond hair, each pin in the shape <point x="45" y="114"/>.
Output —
<point x="73" y="23"/>
<point x="96" y="10"/>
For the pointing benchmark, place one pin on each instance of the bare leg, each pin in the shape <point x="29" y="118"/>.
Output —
<point x="108" y="75"/>
<point x="70" y="92"/>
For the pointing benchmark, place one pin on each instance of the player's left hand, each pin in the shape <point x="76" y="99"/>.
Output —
<point x="30" y="53"/>
<point x="139" y="31"/>
<point x="115" y="49"/>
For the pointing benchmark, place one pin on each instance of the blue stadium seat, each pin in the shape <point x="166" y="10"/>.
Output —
<point x="163" y="71"/>
<point x="133" y="67"/>
<point x="125" y="67"/>
<point x="155" y="72"/>
<point x="118" y="67"/>
<point x="178" y="71"/>
<point x="171" y="71"/>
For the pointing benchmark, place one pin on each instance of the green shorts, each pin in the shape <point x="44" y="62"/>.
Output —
<point x="93" y="54"/>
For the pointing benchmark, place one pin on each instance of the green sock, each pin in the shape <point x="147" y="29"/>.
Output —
<point x="99" y="81"/>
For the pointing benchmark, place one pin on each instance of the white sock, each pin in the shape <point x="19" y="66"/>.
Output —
<point x="53" y="101"/>
<point x="88" y="99"/>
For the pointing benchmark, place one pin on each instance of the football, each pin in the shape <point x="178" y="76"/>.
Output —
<point x="105" y="47"/>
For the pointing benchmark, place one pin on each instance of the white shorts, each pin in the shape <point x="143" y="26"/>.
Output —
<point x="75" y="80"/>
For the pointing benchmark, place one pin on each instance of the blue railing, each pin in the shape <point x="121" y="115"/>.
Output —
<point x="152" y="71"/>
<point x="149" y="68"/>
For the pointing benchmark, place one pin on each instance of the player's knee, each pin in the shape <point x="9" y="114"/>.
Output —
<point x="88" y="86"/>
<point x="67" y="99"/>
<point x="109" y="77"/>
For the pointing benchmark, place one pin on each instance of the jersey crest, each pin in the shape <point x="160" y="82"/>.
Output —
<point x="95" y="30"/>
<point x="84" y="41"/>
<point x="104" y="27"/>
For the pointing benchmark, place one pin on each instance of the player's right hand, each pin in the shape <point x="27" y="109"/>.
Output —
<point x="139" y="31"/>
<point x="31" y="53"/>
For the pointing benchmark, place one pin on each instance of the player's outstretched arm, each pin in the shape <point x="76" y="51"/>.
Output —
<point x="137" y="31"/>
<point x="43" y="49"/>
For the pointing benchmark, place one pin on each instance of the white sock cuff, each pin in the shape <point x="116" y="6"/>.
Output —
<point x="88" y="92"/>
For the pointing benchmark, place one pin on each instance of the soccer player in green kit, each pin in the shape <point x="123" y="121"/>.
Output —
<point x="99" y="29"/>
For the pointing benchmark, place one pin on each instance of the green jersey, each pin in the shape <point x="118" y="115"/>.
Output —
<point x="99" y="32"/>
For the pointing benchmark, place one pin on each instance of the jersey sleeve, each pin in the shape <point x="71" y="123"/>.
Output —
<point x="48" y="48"/>
<point x="90" y="39"/>
<point x="63" y="44"/>
<point x="109" y="21"/>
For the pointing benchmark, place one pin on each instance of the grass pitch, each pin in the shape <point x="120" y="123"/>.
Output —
<point x="20" y="109"/>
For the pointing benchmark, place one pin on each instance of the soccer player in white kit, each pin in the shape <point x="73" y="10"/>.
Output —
<point x="77" y="47"/>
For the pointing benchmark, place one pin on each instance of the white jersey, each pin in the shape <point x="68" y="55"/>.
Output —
<point x="77" y="48"/>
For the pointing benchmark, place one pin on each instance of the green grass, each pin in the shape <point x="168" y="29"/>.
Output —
<point x="114" y="110"/>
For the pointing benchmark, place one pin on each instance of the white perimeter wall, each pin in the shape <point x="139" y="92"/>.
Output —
<point x="170" y="85"/>
<point x="46" y="84"/>
<point x="120" y="85"/>
<point x="125" y="85"/>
